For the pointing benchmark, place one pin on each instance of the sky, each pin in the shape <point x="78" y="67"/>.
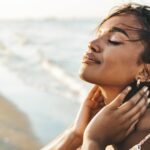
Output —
<point x="41" y="9"/>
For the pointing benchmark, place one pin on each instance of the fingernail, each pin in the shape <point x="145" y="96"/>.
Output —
<point x="148" y="100"/>
<point x="145" y="88"/>
<point x="147" y="93"/>
<point x="129" y="88"/>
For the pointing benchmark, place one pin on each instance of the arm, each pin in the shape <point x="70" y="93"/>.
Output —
<point x="89" y="144"/>
<point x="72" y="138"/>
<point x="68" y="140"/>
<point x="115" y="121"/>
<point x="98" y="132"/>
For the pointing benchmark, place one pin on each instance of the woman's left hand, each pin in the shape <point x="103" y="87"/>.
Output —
<point x="90" y="106"/>
<point x="117" y="120"/>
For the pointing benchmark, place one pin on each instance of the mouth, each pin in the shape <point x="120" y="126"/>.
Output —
<point x="89" y="58"/>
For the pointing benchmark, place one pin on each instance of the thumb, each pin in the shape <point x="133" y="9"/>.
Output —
<point x="117" y="102"/>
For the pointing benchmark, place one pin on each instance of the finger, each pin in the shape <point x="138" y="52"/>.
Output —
<point x="102" y="103"/>
<point x="99" y="104"/>
<point x="137" y="109"/>
<point x="139" y="113"/>
<point x="96" y="95"/>
<point x="120" y="98"/>
<point x="97" y="101"/>
<point x="136" y="117"/>
<point x="94" y="98"/>
<point x="131" y="128"/>
<point x="92" y="91"/>
<point x="129" y="105"/>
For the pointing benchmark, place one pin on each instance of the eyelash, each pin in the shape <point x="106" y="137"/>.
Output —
<point x="114" y="42"/>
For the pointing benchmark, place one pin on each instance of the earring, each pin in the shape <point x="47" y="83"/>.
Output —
<point x="138" y="82"/>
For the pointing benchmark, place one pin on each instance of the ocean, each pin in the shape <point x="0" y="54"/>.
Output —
<point x="39" y="63"/>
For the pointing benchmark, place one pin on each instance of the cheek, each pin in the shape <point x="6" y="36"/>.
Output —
<point x="124" y="56"/>
<point x="123" y="62"/>
<point x="111" y="58"/>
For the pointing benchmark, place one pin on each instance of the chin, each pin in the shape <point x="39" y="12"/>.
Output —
<point x="83" y="72"/>
<point x="86" y="77"/>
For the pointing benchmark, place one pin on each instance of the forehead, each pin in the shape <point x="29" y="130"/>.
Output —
<point x="125" y="22"/>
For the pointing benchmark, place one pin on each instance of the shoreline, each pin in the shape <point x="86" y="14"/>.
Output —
<point x="15" y="129"/>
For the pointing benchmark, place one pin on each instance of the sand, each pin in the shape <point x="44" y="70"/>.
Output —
<point x="15" y="130"/>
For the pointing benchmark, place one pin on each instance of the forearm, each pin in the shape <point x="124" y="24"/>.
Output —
<point x="89" y="144"/>
<point x="68" y="140"/>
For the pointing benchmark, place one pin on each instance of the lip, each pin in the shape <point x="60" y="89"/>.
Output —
<point x="89" y="58"/>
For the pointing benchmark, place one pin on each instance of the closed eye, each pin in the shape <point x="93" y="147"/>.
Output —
<point x="114" y="42"/>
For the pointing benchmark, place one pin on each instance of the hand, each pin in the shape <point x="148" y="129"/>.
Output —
<point x="92" y="104"/>
<point x="72" y="138"/>
<point x="116" y="121"/>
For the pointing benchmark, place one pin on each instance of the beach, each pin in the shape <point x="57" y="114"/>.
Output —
<point x="15" y="129"/>
<point x="39" y="78"/>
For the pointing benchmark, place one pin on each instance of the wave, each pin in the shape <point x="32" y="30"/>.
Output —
<point x="64" y="78"/>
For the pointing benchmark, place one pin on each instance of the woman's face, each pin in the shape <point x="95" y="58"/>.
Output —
<point x="111" y="59"/>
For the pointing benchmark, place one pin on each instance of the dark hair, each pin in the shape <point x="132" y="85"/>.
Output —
<point x="142" y="13"/>
<point x="136" y="88"/>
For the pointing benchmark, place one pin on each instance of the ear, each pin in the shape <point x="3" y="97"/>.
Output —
<point x="144" y="73"/>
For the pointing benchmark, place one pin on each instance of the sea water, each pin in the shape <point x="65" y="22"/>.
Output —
<point x="39" y="63"/>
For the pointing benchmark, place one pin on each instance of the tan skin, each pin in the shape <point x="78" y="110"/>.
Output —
<point x="119" y="65"/>
<point x="72" y="138"/>
<point x="99" y="133"/>
<point x="96" y="129"/>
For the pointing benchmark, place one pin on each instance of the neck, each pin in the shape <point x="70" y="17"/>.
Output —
<point x="110" y="92"/>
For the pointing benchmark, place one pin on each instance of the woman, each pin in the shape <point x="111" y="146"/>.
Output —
<point x="102" y="134"/>
<point x="119" y="56"/>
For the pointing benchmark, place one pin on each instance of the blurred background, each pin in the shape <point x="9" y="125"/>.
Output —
<point x="41" y="46"/>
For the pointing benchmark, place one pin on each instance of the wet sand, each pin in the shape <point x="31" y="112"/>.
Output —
<point x="15" y="130"/>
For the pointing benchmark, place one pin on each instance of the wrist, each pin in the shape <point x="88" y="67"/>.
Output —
<point x="68" y="140"/>
<point x="100" y="140"/>
<point x="89" y="144"/>
<point x="75" y="137"/>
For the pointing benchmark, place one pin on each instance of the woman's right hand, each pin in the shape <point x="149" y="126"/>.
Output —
<point x="117" y="120"/>
<point x="90" y="106"/>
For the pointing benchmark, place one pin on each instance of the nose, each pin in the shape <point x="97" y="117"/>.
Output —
<point x="95" y="46"/>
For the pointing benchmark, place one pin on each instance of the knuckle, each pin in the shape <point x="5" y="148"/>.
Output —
<point x="137" y="97"/>
<point x="124" y="93"/>
<point x="123" y="121"/>
<point x="143" y="110"/>
<point x="107" y="110"/>
<point x="138" y="108"/>
<point x="141" y="92"/>
<point x="121" y="96"/>
<point x="131" y="103"/>
<point x="125" y="127"/>
<point x="141" y="104"/>
<point x="144" y="99"/>
<point x="138" y="115"/>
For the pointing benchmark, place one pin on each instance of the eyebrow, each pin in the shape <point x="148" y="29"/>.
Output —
<point x="116" y="29"/>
